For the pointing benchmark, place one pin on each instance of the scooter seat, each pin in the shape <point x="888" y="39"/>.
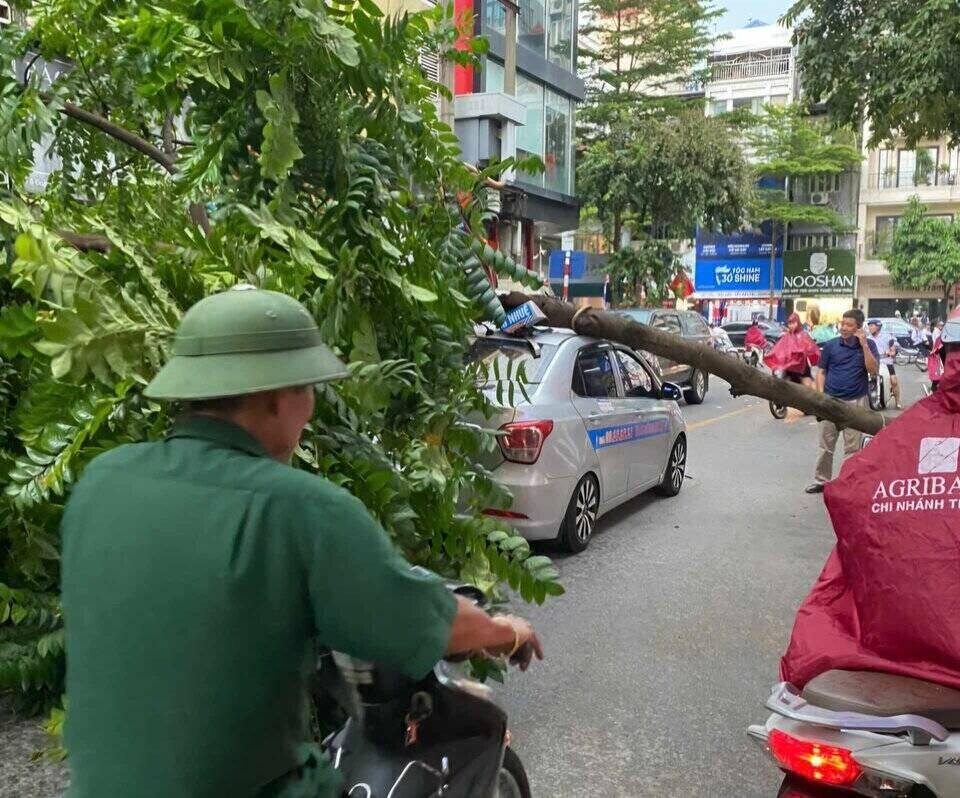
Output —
<point x="884" y="694"/>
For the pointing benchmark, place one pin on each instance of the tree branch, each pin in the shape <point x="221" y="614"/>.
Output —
<point x="85" y="242"/>
<point x="168" y="148"/>
<point x="119" y="133"/>
<point x="198" y="213"/>
<point x="743" y="379"/>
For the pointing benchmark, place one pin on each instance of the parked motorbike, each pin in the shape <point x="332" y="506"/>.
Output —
<point x="864" y="733"/>
<point x="879" y="391"/>
<point x="913" y="355"/>
<point x="440" y="736"/>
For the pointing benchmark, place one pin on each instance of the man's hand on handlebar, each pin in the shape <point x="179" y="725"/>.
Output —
<point x="525" y="645"/>
<point x="506" y="635"/>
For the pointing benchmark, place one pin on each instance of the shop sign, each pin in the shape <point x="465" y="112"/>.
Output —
<point x="743" y="276"/>
<point x="753" y="244"/>
<point x="818" y="273"/>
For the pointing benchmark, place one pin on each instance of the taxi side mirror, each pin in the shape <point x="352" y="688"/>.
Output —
<point x="671" y="391"/>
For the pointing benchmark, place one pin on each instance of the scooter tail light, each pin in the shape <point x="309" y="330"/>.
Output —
<point x="818" y="762"/>
<point x="522" y="441"/>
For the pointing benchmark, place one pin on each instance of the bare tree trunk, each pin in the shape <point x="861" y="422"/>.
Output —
<point x="743" y="379"/>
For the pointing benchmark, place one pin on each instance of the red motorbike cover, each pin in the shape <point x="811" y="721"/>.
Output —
<point x="793" y="352"/>
<point x="888" y="597"/>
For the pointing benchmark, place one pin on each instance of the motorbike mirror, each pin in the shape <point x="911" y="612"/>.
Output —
<point x="475" y="594"/>
<point x="671" y="391"/>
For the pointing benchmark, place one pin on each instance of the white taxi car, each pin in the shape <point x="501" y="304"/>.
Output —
<point x="599" y="429"/>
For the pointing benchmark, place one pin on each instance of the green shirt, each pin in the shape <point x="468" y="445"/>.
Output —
<point x="198" y="575"/>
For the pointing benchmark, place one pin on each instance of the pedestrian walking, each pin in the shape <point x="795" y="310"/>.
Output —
<point x="846" y="364"/>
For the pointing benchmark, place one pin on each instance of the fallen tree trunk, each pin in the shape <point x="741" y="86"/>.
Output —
<point x="743" y="379"/>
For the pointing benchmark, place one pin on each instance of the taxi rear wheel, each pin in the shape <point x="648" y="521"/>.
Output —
<point x="581" y="517"/>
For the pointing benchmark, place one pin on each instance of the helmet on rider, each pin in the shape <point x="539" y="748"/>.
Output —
<point x="244" y="341"/>
<point x="875" y="323"/>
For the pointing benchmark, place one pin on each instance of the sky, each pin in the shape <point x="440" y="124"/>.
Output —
<point x="740" y="12"/>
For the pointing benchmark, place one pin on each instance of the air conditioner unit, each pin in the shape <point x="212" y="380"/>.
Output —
<point x="494" y="202"/>
<point x="6" y="13"/>
<point x="819" y="197"/>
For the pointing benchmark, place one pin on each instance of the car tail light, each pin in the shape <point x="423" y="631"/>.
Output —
<point x="825" y="764"/>
<point x="522" y="441"/>
<point x="510" y="514"/>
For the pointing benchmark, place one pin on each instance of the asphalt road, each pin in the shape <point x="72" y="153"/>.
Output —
<point x="667" y="641"/>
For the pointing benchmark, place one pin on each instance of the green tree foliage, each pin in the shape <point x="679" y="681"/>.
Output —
<point x="893" y="64"/>
<point x="293" y="144"/>
<point x="660" y="178"/>
<point x="786" y="146"/>
<point x="925" y="252"/>
<point x="642" y="48"/>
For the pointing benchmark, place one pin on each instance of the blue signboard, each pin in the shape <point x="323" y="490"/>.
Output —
<point x="755" y="244"/>
<point x="578" y="264"/>
<point x="743" y="275"/>
<point x="737" y="265"/>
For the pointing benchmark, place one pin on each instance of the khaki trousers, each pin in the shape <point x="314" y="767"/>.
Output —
<point x="852" y="440"/>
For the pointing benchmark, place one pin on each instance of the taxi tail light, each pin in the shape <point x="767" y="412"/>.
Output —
<point x="824" y="764"/>
<point x="522" y="441"/>
<point x="495" y="512"/>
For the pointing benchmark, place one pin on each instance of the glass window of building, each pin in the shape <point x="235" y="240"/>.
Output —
<point x="887" y="170"/>
<point x="494" y="16"/>
<point x="493" y="77"/>
<point x="718" y="107"/>
<point x="778" y="100"/>
<point x="530" y="135"/>
<point x="916" y="167"/>
<point x="560" y="32"/>
<point x="557" y="153"/>
<point x="532" y="26"/>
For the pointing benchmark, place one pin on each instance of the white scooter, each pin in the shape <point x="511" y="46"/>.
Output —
<point x="864" y="733"/>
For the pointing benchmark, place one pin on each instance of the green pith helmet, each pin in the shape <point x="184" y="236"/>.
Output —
<point x="244" y="341"/>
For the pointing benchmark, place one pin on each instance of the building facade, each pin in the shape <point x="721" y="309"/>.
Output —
<point x="813" y="266"/>
<point x="890" y="176"/>
<point x="521" y="101"/>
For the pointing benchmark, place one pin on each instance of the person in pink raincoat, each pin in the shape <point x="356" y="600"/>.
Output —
<point x="935" y="365"/>
<point x="794" y="354"/>
<point x="887" y="597"/>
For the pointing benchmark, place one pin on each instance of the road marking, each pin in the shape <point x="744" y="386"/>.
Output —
<point x="731" y="414"/>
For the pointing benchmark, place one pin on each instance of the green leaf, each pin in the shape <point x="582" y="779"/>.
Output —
<point x="420" y="293"/>
<point x="280" y="150"/>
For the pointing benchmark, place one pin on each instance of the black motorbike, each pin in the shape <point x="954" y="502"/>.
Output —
<point x="439" y="736"/>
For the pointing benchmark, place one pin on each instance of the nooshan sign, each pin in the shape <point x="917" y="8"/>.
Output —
<point x="818" y="273"/>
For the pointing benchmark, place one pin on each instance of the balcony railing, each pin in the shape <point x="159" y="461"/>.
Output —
<point x="747" y="68"/>
<point x="878" y="243"/>
<point x="895" y="180"/>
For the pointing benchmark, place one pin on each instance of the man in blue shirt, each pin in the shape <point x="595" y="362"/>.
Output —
<point x="845" y="368"/>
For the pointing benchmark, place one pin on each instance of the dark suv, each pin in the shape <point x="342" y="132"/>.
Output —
<point x="688" y="325"/>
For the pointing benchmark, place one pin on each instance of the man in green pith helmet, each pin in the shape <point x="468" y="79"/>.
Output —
<point x="199" y="572"/>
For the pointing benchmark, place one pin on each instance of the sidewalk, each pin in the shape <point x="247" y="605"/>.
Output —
<point x="19" y="776"/>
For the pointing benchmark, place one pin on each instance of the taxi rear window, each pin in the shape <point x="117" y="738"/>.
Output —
<point x="505" y="357"/>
